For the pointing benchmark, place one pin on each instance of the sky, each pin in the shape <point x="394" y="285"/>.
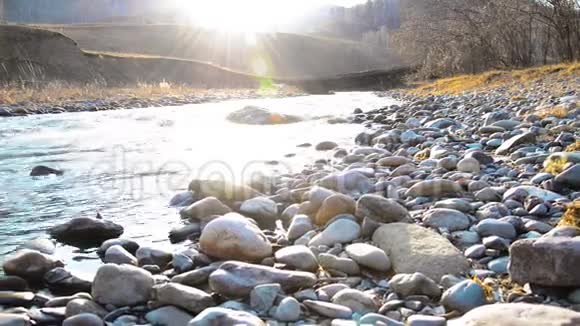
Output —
<point x="251" y="15"/>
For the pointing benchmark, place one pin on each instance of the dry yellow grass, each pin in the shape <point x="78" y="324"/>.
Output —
<point x="573" y="147"/>
<point x="555" y="111"/>
<point x="57" y="92"/>
<point x="490" y="79"/>
<point x="572" y="215"/>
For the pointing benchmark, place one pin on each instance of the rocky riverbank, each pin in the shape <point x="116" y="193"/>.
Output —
<point x="112" y="101"/>
<point x="457" y="210"/>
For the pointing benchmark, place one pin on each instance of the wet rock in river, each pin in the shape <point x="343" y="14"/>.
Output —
<point x="41" y="244"/>
<point x="42" y="170"/>
<point x="128" y="244"/>
<point x="118" y="255"/>
<point x="326" y="146"/>
<point x="232" y="236"/>
<point x="254" y="115"/>
<point x="182" y="199"/>
<point x="153" y="256"/>
<point x="86" y="232"/>
<point x="30" y="265"/>
<point x="236" y="279"/>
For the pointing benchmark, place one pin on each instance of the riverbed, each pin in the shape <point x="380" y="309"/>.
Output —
<point x="127" y="164"/>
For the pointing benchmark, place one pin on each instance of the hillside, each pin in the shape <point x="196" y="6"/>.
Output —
<point x="281" y="55"/>
<point x="36" y="56"/>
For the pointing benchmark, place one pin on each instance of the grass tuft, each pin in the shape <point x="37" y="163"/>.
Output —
<point x="575" y="147"/>
<point x="572" y="215"/>
<point x="555" y="165"/>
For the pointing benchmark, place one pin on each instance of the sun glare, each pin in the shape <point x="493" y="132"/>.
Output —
<point x="242" y="16"/>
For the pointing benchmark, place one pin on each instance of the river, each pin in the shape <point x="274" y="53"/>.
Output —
<point x="128" y="164"/>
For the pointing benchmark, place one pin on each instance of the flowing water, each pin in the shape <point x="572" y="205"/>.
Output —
<point x="128" y="164"/>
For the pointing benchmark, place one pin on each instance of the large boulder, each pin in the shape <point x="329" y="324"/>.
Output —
<point x="254" y="115"/>
<point x="412" y="248"/>
<point x="30" y="265"/>
<point x="222" y="190"/>
<point x="549" y="261"/>
<point x="233" y="236"/>
<point x="122" y="285"/>
<point x="380" y="209"/>
<point x="236" y="279"/>
<point x="518" y="314"/>
<point x="186" y="297"/>
<point x="86" y="232"/>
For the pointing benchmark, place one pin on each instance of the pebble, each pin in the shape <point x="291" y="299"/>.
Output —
<point x="449" y="219"/>
<point x="412" y="284"/>
<point x="298" y="257"/>
<point x="463" y="296"/>
<point x="288" y="310"/>
<point x="328" y="309"/>
<point x="232" y="236"/>
<point x="357" y="301"/>
<point x="340" y="231"/>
